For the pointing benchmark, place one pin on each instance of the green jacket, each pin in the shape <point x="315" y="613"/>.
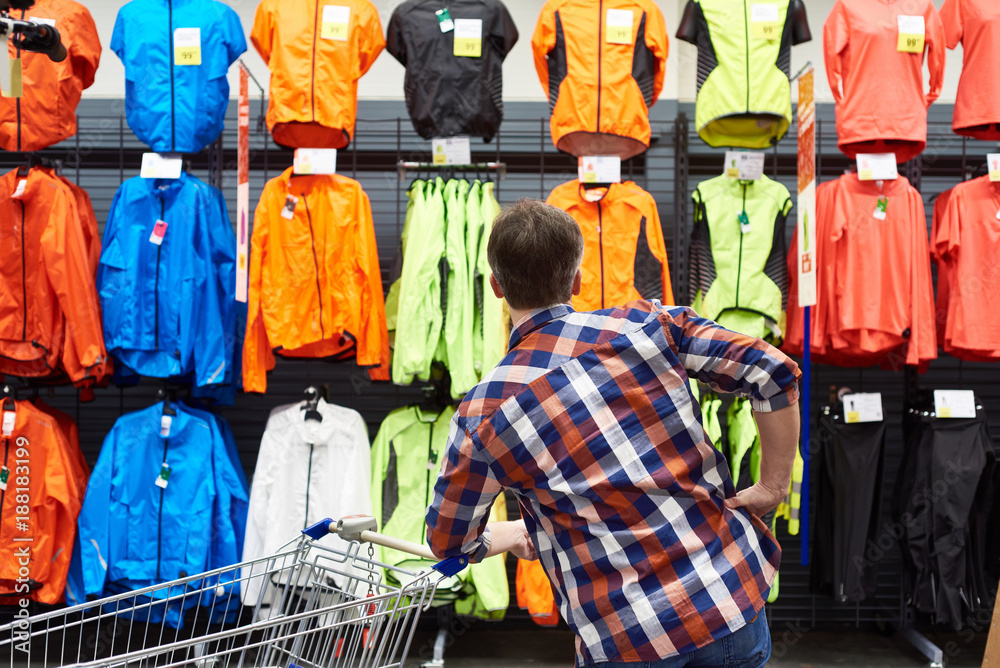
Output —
<point x="739" y="274"/>
<point x="460" y="302"/>
<point x="494" y="321"/>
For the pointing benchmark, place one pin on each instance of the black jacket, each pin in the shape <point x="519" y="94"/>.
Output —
<point x="450" y="95"/>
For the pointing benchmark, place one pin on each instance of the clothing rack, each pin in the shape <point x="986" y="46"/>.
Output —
<point x="404" y="167"/>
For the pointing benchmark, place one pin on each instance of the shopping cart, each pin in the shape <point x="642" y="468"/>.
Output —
<point x="307" y="606"/>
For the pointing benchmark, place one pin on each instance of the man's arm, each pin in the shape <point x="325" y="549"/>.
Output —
<point x="779" y="437"/>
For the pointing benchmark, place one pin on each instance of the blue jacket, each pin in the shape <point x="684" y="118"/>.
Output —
<point x="133" y="533"/>
<point x="176" y="108"/>
<point x="170" y="309"/>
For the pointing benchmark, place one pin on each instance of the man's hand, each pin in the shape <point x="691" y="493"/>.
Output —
<point x="759" y="499"/>
<point x="511" y="537"/>
<point x="779" y="438"/>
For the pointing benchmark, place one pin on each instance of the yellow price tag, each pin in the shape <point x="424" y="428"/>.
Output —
<point x="187" y="55"/>
<point x="733" y="172"/>
<point x="853" y="417"/>
<point x="911" y="34"/>
<point x="336" y="23"/>
<point x="590" y="177"/>
<point x="765" y="21"/>
<point x="866" y="175"/>
<point x="468" y="47"/>
<point x="337" y="31"/>
<point x="995" y="175"/>
<point x="618" y="26"/>
<point x="619" y="35"/>
<point x="766" y="30"/>
<point x="187" y="46"/>
<point x="440" y="158"/>
<point x="944" y="412"/>
<point x="910" y="44"/>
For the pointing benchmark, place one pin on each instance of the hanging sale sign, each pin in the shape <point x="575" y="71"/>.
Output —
<point x="807" y="190"/>
<point x="243" y="191"/>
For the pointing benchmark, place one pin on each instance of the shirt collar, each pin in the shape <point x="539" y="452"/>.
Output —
<point x="536" y="319"/>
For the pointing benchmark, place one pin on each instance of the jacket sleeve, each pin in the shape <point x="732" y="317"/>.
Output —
<point x="89" y="566"/>
<point x="257" y="355"/>
<point x="936" y="52"/>
<point x="236" y="42"/>
<point x="659" y="44"/>
<point x="395" y="42"/>
<point x="923" y="334"/>
<point x="63" y="499"/>
<point x="262" y="33"/>
<point x="835" y="38"/>
<point x="254" y="540"/>
<point x="654" y="237"/>
<point x="504" y="32"/>
<point x="231" y="504"/>
<point x="542" y="43"/>
<point x="370" y="40"/>
<point x="217" y="316"/>
<point x="68" y="269"/>
<point x="84" y="47"/>
<point x="373" y="346"/>
<point x="951" y="20"/>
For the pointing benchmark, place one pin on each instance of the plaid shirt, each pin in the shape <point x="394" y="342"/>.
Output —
<point x="590" y="421"/>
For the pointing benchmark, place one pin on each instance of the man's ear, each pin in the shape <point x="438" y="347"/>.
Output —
<point x="578" y="283"/>
<point x="497" y="290"/>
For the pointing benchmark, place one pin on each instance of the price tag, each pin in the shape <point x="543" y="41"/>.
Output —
<point x="165" y="423"/>
<point x="19" y="191"/>
<point x="4" y="476"/>
<point x="444" y="20"/>
<point x="877" y="167"/>
<point x="9" y="417"/>
<point x="452" y="150"/>
<point x="911" y="34"/>
<point x="764" y="21"/>
<point x="880" y="208"/>
<point x="618" y="26"/>
<point x="993" y="159"/>
<point x="599" y="169"/>
<point x="315" y="161"/>
<point x="745" y="165"/>
<point x="336" y="22"/>
<point x="955" y="403"/>
<point x="163" y="479"/>
<point x="744" y="219"/>
<point x="157" y="166"/>
<point x="288" y="211"/>
<point x="156" y="238"/>
<point x="469" y="38"/>
<point x="860" y="408"/>
<point x="187" y="46"/>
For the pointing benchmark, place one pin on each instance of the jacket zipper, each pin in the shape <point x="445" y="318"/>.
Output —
<point x="156" y="285"/>
<point x="312" y="94"/>
<point x="319" y="289"/>
<point x="600" y="57"/>
<point x="746" y="43"/>
<point x="173" y="112"/>
<point x="739" y="264"/>
<point x="159" y="518"/>
<point x="309" y="473"/>
<point x="600" y="245"/>
<point x="17" y="101"/>
<point x="24" y="280"/>
<point x="3" y="493"/>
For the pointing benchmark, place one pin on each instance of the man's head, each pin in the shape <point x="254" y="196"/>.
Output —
<point x="535" y="251"/>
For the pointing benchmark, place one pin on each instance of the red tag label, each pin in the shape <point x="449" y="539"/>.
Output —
<point x="159" y="231"/>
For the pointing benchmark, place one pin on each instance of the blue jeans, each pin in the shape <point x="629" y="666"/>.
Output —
<point x="749" y="647"/>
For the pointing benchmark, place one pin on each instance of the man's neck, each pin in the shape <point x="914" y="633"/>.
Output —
<point x="518" y="316"/>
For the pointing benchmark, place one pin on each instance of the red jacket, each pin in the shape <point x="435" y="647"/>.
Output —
<point x="976" y="25"/>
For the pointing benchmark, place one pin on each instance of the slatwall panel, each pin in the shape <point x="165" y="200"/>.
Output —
<point x="109" y="153"/>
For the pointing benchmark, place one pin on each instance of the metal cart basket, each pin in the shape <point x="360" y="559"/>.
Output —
<point x="308" y="605"/>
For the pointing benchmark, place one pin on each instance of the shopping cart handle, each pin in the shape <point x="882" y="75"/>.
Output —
<point x="452" y="565"/>
<point x="320" y="529"/>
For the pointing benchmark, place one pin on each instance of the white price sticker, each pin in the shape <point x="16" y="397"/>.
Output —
<point x="618" y="28"/>
<point x="993" y="160"/>
<point x="452" y="150"/>
<point x="877" y="167"/>
<point x="157" y="166"/>
<point x="764" y="21"/>
<point x="315" y="161"/>
<point x="165" y="423"/>
<point x="912" y="32"/>
<point x="187" y="46"/>
<point x="468" y="38"/>
<point x="860" y="408"/>
<point x="599" y="169"/>
<point x="9" y="418"/>
<point x="955" y="403"/>
<point x="745" y="165"/>
<point x="336" y="23"/>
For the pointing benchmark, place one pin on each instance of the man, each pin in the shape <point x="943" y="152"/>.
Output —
<point x="589" y="420"/>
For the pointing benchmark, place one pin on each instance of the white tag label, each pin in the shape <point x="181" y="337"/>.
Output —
<point x="955" y="403"/>
<point x="165" y="422"/>
<point x="745" y="165"/>
<point x="763" y="13"/>
<point x="468" y="38"/>
<point x="993" y="160"/>
<point x="618" y="29"/>
<point x="877" y="167"/>
<point x="452" y="150"/>
<point x="187" y="46"/>
<point x="8" y="422"/>
<point x="157" y="166"/>
<point x="863" y="408"/>
<point x="599" y="169"/>
<point x="288" y="211"/>
<point x="336" y="22"/>
<point x="911" y="25"/>
<point x="45" y="22"/>
<point x="315" y="161"/>
<point x="19" y="191"/>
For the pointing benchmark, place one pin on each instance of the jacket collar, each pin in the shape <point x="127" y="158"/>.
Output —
<point x="166" y="187"/>
<point x="537" y="319"/>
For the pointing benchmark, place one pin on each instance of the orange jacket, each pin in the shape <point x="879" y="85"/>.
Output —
<point x="315" y="67"/>
<point x="882" y="107"/>
<point x="534" y="593"/>
<point x="49" y="314"/>
<point x="625" y="256"/>
<point x="315" y="282"/>
<point x="976" y="25"/>
<point x="45" y="488"/>
<point x="601" y="77"/>
<point x="46" y="114"/>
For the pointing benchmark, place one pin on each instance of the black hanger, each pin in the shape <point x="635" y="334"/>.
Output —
<point x="311" y="404"/>
<point x="164" y="394"/>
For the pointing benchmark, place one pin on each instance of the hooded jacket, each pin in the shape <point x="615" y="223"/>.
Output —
<point x="44" y="485"/>
<point x="169" y="309"/>
<point x="176" y="55"/>
<point x="315" y="282"/>
<point x="134" y="533"/>
<point x="624" y="256"/>
<point x="976" y="25"/>
<point x="49" y="314"/>
<point x="447" y="94"/>
<point x="744" y="95"/>
<point x="46" y="114"/>
<point x="316" y="52"/>
<point x="602" y="64"/>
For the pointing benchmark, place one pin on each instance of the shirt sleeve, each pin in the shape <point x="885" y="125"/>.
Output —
<point x="463" y="497"/>
<point x="951" y="18"/>
<point x="836" y="35"/>
<point x="728" y="361"/>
